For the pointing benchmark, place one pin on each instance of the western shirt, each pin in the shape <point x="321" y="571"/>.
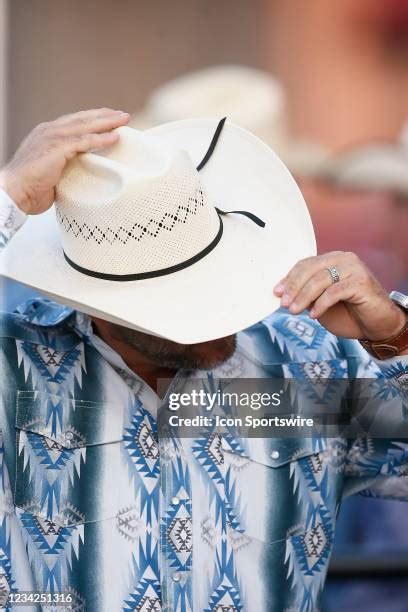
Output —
<point x="96" y="502"/>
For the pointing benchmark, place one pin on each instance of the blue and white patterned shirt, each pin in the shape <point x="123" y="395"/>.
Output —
<point x="94" y="503"/>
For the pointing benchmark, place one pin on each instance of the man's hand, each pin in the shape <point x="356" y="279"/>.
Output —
<point x="355" y="307"/>
<point x="31" y="176"/>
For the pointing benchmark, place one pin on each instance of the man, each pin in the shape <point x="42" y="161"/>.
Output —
<point x="100" y="510"/>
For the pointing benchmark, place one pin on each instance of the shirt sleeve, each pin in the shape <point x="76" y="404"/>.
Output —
<point x="377" y="461"/>
<point x="11" y="218"/>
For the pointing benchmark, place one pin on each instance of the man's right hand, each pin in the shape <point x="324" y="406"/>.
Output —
<point x="31" y="176"/>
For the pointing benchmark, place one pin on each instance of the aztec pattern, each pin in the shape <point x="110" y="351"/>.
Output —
<point x="96" y="501"/>
<point x="136" y="231"/>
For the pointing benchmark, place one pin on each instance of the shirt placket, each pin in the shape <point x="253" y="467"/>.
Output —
<point x="175" y="515"/>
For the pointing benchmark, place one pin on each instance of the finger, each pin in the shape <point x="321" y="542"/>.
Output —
<point x="104" y="124"/>
<point x="305" y="269"/>
<point x="339" y="292"/>
<point x="95" y="125"/>
<point x="301" y="272"/>
<point x="90" y="142"/>
<point x="280" y="287"/>
<point x="86" y="115"/>
<point x="310" y="291"/>
<point x="91" y="122"/>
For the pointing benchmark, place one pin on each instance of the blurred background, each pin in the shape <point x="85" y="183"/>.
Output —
<point x="325" y="83"/>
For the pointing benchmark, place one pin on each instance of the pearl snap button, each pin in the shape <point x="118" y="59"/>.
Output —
<point x="176" y="577"/>
<point x="69" y="435"/>
<point x="175" y="501"/>
<point x="275" y="454"/>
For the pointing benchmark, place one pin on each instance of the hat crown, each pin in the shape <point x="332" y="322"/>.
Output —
<point x="135" y="208"/>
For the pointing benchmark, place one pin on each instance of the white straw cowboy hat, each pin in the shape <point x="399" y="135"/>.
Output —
<point x="138" y="237"/>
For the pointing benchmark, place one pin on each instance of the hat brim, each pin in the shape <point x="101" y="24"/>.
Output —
<point x="225" y="292"/>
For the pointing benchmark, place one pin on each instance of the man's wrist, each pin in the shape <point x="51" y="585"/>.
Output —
<point x="11" y="217"/>
<point x="391" y="326"/>
<point x="401" y="321"/>
<point x="403" y="314"/>
<point x="394" y="345"/>
<point x="15" y="193"/>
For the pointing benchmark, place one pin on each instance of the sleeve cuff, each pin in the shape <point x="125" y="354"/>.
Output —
<point x="11" y="217"/>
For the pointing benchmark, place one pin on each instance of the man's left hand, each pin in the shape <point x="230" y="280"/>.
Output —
<point x="354" y="307"/>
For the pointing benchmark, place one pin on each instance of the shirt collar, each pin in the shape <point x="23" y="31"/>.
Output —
<point x="42" y="312"/>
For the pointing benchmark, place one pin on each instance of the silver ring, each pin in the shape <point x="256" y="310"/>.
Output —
<point x="335" y="276"/>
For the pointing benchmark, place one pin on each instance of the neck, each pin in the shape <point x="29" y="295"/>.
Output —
<point x="147" y="370"/>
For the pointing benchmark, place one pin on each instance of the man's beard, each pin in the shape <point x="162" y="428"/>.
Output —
<point x="174" y="356"/>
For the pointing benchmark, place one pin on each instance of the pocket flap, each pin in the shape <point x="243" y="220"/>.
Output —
<point x="273" y="452"/>
<point x="72" y="423"/>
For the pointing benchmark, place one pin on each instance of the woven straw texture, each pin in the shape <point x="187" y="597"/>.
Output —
<point x="136" y="208"/>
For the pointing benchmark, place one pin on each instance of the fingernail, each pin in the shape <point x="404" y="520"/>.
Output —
<point x="285" y="301"/>
<point x="293" y="307"/>
<point x="312" y="313"/>
<point x="278" y="288"/>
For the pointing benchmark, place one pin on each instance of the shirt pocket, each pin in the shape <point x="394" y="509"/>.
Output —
<point x="68" y="452"/>
<point x="271" y="484"/>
